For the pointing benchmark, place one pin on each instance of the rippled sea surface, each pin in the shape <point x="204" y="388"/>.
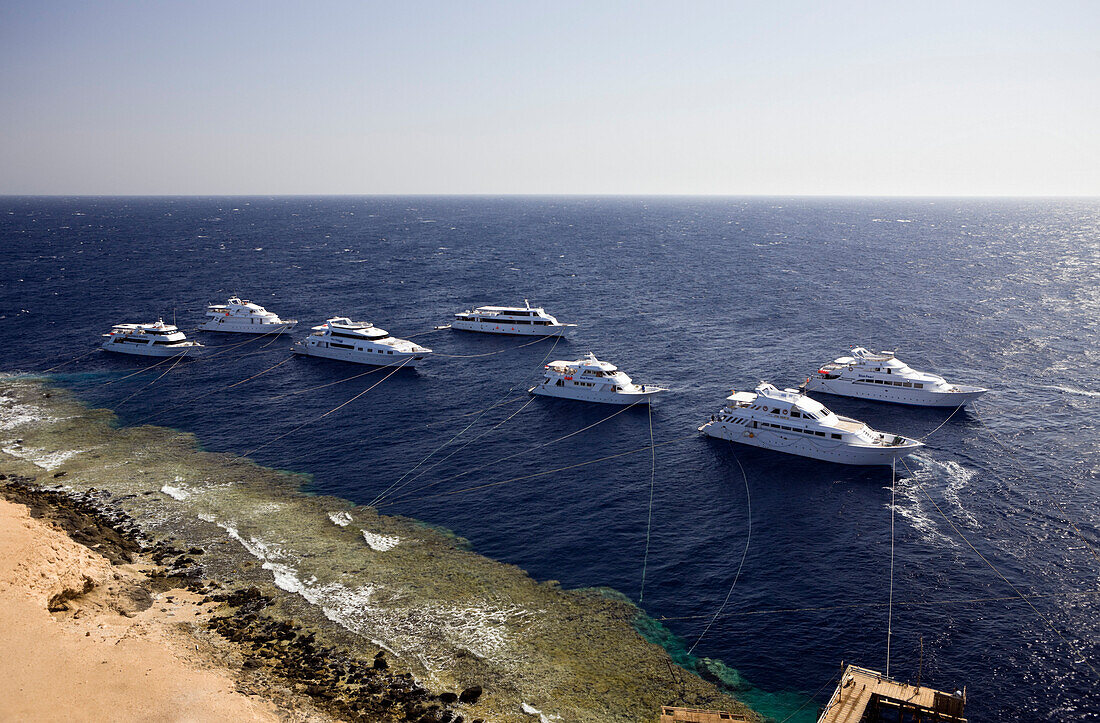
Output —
<point x="701" y="295"/>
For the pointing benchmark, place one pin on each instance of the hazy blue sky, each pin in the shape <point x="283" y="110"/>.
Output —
<point x="821" y="97"/>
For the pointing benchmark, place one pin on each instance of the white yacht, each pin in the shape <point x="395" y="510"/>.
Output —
<point x="788" y="421"/>
<point x="511" y="320"/>
<point x="157" y="339"/>
<point x="360" y="342"/>
<point x="242" y="316"/>
<point x="592" y="380"/>
<point x="885" y="378"/>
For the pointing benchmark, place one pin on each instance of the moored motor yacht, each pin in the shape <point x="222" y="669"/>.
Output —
<point x="521" y="320"/>
<point x="360" y="342"/>
<point x="592" y="380"/>
<point x="244" y="317"/>
<point x="789" y="421"/>
<point x="157" y="339"/>
<point x="885" y="378"/>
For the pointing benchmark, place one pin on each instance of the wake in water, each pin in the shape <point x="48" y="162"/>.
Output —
<point x="949" y="479"/>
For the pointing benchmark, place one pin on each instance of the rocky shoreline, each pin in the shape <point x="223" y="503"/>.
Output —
<point x="273" y="650"/>
<point x="381" y="620"/>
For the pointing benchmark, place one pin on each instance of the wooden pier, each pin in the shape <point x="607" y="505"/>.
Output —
<point x="866" y="696"/>
<point x="672" y="714"/>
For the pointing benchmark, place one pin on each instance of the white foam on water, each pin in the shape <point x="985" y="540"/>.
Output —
<point x="407" y="626"/>
<point x="530" y="709"/>
<point x="1070" y="390"/>
<point x="42" y="458"/>
<point x="343" y="519"/>
<point x="14" y="414"/>
<point x="176" y="493"/>
<point x="381" y="543"/>
<point x="955" y="479"/>
<point x="912" y="505"/>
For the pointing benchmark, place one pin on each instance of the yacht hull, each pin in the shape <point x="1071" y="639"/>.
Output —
<point x="240" y="326"/>
<point x="602" y="397"/>
<point x="151" y="350"/>
<point x="361" y="357"/>
<point x="895" y="395"/>
<point x="828" y="450"/>
<point x="511" y="329"/>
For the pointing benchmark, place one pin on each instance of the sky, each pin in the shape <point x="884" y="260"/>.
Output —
<point x="416" y="97"/>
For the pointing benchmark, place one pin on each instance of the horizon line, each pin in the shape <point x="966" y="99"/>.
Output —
<point x="552" y="195"/>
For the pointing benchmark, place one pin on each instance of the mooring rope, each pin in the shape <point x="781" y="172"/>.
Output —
<point x="453" y="452"/>
<point x="1089" y="545"/>
<point x="831" y="681"/>
<point x="197" y="397"/>
<point x="372" y="370"/>
<point x="341" y="406"/>
<point x="498" y="351"/>
<point x="538" y="474"/>
<point x="75" y="358"/>
<point x="890" y="604"/>
<point x="133" y="374"/>
<point x="229" y="347"/>
<point x="993" y="567"/>
<point x="177" y="357"/>
<point x="397" y="484"/>
<point x="921" y="439"/>
<point x="748" y="537"/>
<point x="649" y="519"/>
<point x="904" y="603"/>
<point x="516" y="454"/>
<point x="425" y="425"/>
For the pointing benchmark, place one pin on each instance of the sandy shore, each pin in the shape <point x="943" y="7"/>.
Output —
<point x="289" y="603"/>
<point x="112" y="647"/>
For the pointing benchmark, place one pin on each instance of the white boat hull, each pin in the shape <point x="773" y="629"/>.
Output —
<point x="829" y="450"/>
<point x="157" y="350"/>
<point x="897" y="395"/>
<point x="582" y="394"/>
<point x="243" y="326"/>
<point x="361" y="357"/>
<point x="512" y="329"/>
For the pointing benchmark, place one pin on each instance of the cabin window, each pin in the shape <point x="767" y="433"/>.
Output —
<point x="836" y="436"/>
<point x="775" y="411"/>
<point x="559" y="383"/>
<point x="918" y="385"/>
<point x="907" y="384"/>
<point x="820" y="434"/>
<point x="796" y="414"/>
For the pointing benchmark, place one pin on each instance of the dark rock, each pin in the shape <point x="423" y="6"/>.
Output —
<point x="471" y="694"/>
<point x="447" y="698"/>
<point x="62" y="473"/>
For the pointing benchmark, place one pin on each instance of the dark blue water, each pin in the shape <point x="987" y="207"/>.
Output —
<point x="702" y="295"/>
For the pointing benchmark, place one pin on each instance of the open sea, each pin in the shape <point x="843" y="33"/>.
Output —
<point x="702" y="295"/>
